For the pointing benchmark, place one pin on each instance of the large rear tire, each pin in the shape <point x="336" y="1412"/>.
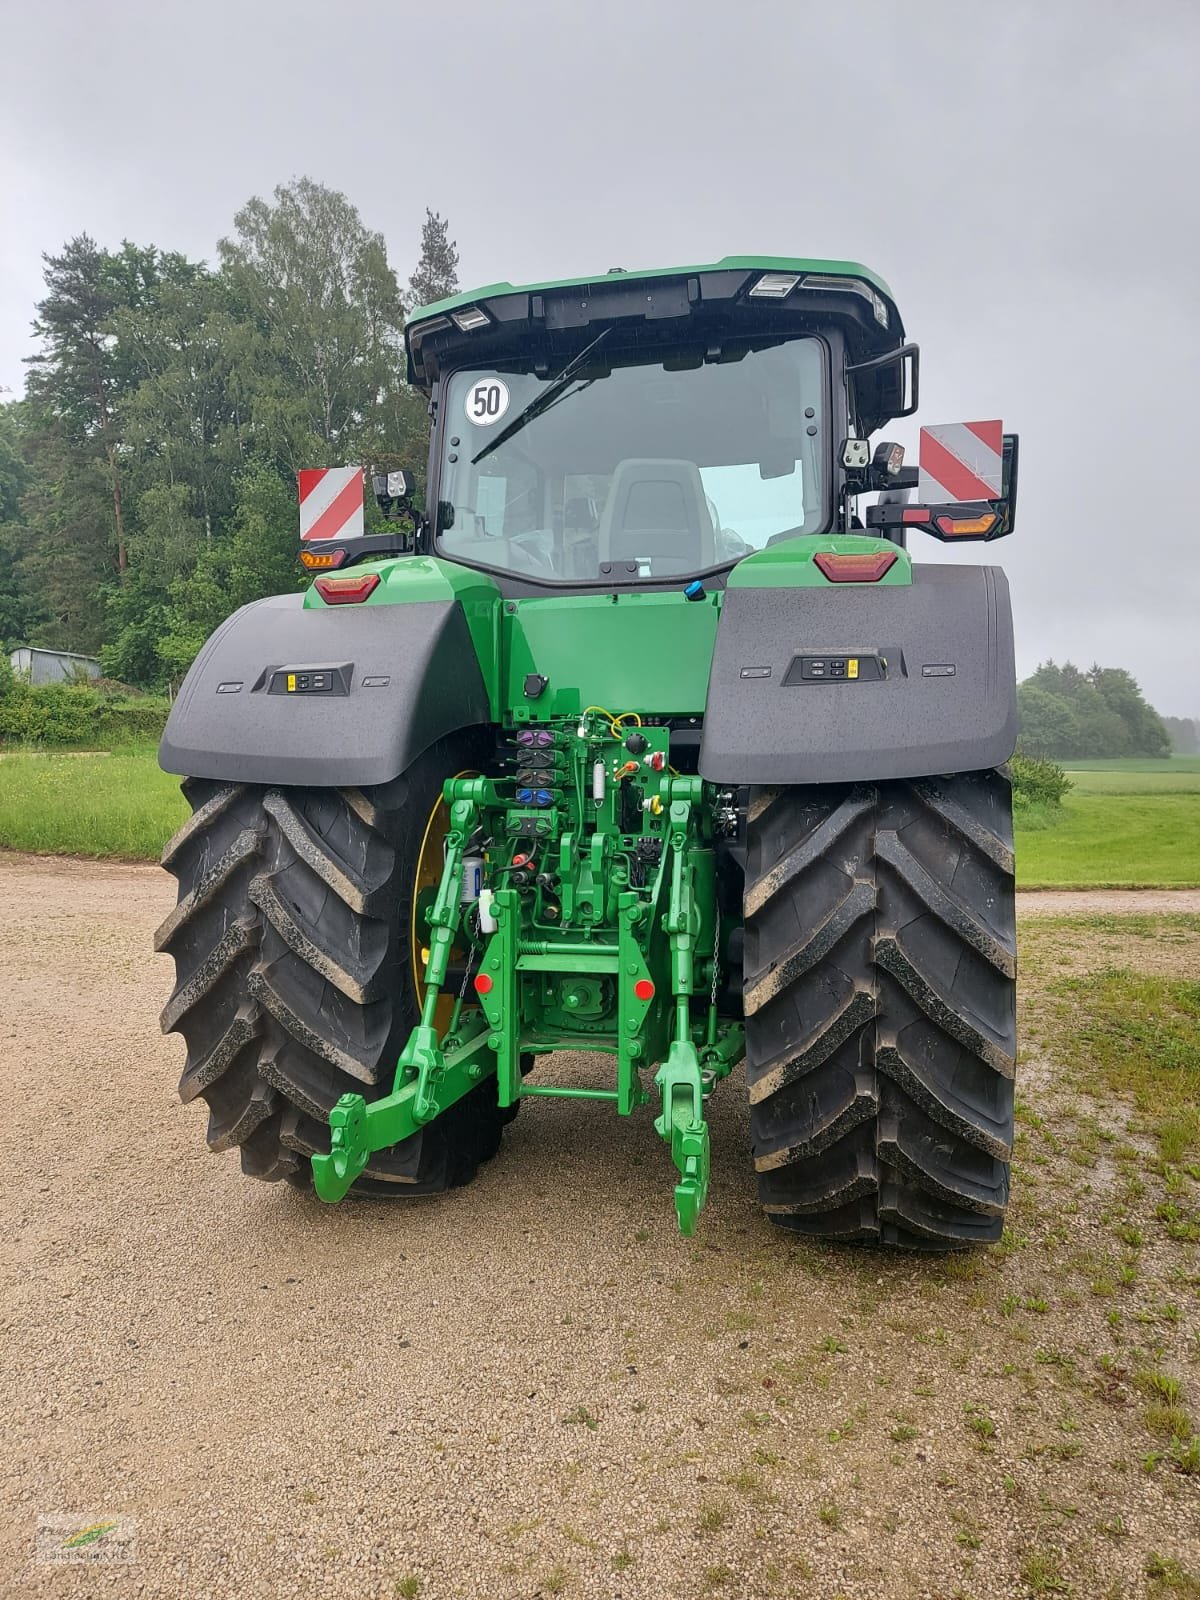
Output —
<point x="880" y="999"/>
<point x="294" y="970"/>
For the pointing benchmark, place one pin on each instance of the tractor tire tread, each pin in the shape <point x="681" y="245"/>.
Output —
<point x="290" y="941"/>
<point x="880" y="966"/>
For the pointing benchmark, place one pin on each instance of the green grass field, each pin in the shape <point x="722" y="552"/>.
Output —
<point x="1123" y="825"/>
<point x="1150" y="778"/>
<point x="119" y="805"/>
<point x="1173" y="766"/>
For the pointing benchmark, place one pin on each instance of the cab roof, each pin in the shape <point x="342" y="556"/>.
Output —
<point x="800" y="264"/>
<point x="721" y="304"/>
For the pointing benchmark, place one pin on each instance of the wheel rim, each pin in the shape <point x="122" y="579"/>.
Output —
<point x="430" y="862"/>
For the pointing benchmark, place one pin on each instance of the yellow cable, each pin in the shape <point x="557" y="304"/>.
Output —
<point x="614" y="723"/>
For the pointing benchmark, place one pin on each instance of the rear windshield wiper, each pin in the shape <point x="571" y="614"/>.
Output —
<point x="541" y="401"/>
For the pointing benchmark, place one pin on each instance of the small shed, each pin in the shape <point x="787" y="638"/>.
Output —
<point x="53" y="666"/>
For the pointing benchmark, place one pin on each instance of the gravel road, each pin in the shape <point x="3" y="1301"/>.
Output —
<point x="531" y="1387"/>
<point x="1107" y="902"/>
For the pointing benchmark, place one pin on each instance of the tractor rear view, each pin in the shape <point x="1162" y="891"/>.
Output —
<point x="646" y="738"/>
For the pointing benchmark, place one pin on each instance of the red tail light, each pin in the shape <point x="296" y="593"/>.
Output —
<point x="855" y="568"/>
<point x="351" y="590"/>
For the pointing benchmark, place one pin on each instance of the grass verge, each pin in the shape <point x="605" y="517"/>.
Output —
<point x="1119" y="1030"/>
<point x="121" y="805"/>
<point x="1113" y="840"/>
<point x="1142" y="764"/>
<point x="118" y="805"/>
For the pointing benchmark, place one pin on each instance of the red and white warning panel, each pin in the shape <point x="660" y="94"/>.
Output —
<point x="960" y="461"/>
<point x="331" y="503"/>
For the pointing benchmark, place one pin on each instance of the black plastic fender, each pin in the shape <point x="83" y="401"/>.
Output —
<point x="373" y="686"/>
<point x="933" y="691"/>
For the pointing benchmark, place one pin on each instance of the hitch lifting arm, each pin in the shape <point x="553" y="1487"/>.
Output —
<point x="425" y="1083"/>
<point x="682" y="1079"/>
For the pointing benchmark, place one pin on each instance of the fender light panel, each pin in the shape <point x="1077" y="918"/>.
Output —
<point x="844" y="568"/>
<point x="351" y="590"/>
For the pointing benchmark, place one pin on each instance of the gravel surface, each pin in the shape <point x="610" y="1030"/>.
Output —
<point x="1106" y="902"/>
<point x="532" y="1387"/>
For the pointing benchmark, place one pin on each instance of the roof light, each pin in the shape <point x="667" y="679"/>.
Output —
<point x="351" y="590"/>
<point x="774" y="285"/>
<point x="966" y="527"/>
<point x="470" y="318"/>
<point x="824" y="280"/>
<point x="317" y="559"/>
<point x="839" y="568"/>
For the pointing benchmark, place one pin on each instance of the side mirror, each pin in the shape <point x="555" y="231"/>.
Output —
<point x="888" y="385"/>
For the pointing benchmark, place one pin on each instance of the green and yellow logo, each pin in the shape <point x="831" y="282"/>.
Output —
<point x="69" y="1537"/>
<point x="90" y="1535"/>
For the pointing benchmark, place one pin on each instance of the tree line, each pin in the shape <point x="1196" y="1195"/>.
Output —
<point x="148" y="474"/>
<point x="1093" y="715"/>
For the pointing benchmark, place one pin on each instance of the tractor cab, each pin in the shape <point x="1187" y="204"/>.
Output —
<point x="645" y="428"/>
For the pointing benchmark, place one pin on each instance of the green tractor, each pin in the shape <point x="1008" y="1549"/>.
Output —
<point x="647" y="738"/>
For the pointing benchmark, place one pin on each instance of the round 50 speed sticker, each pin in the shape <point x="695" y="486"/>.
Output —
<point x="487" y="401"/>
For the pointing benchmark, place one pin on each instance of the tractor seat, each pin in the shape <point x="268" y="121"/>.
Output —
<point x="656" y="512"/>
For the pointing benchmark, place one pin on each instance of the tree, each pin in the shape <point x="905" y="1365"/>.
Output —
<point x="436" y="272"/>
<point x="1121" y="696"/>
<point x="183" y="423"/>
<point x="77" y="509"/>
<point x="20" y="610"/>
<point x="76" y="382"/>
<point x="1049" y="726"/>
<point x="147" y="480"/>
<point x="324" y="347"/>
<point x="1101" y="713"/>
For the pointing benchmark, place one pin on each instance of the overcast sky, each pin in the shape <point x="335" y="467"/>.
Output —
<point x="1024" y="176"/>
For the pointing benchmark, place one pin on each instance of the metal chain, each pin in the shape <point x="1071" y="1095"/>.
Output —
<point x="469" y="964"/>
<point x="716" y="965"/>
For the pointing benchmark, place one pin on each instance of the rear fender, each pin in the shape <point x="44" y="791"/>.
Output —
<point x="933" y="687"/>
<point x="324" y="696"/>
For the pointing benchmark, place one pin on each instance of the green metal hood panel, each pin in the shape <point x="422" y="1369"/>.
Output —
<point x="647" y="652"/>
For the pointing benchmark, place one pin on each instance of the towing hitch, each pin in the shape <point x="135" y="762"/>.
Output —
<point x="640" y="985"/>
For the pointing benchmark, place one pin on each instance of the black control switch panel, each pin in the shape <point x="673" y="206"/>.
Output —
<point x="846" y="668"/>
<point x="327" y="678"/>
